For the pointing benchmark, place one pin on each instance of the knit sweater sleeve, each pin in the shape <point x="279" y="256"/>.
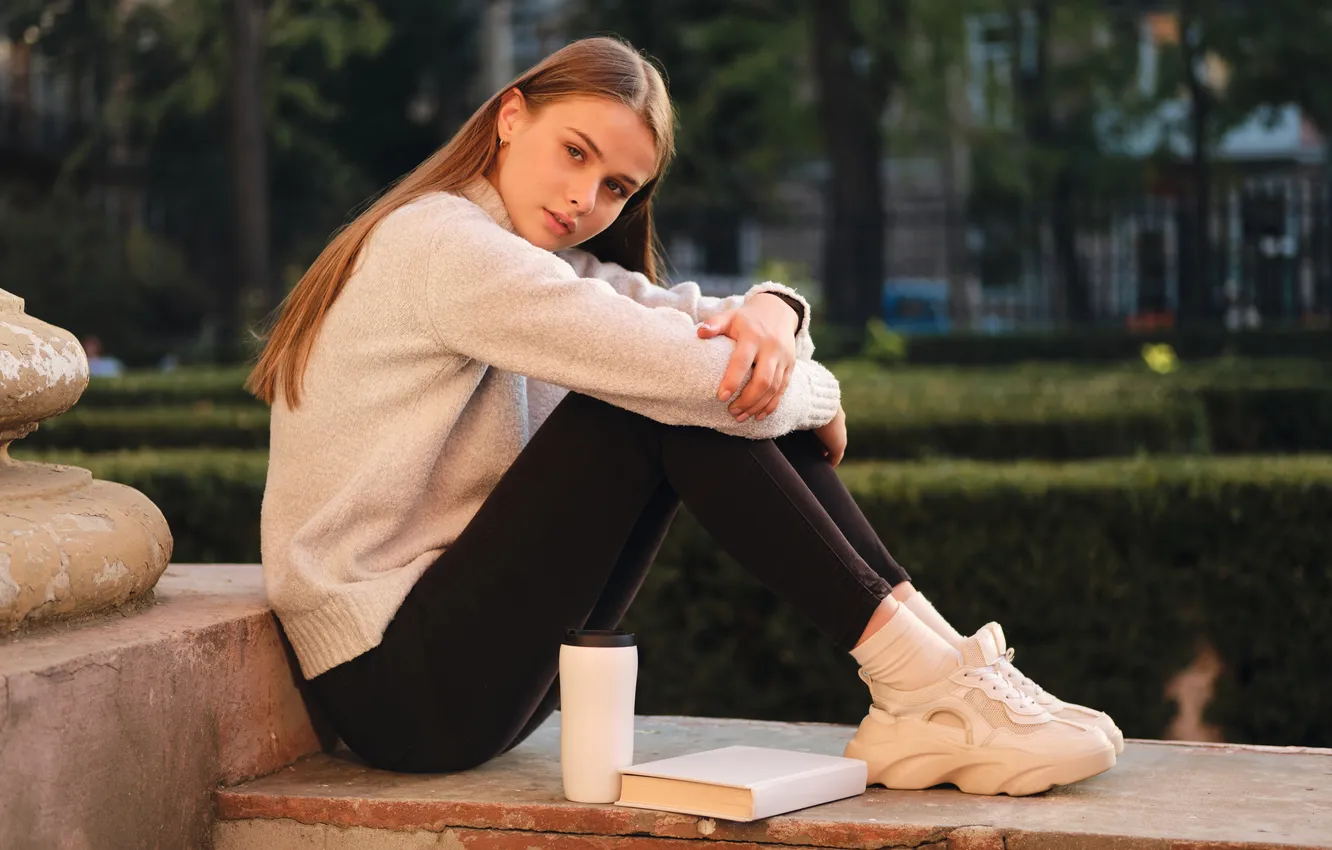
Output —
<point x="686" y="297"/>
<point x="494" y="297"/>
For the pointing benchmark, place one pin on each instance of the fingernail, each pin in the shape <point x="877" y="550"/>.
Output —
<point x="761" y="417"/>
<point x="725" y="396"/>
<point x="742" y="417"/>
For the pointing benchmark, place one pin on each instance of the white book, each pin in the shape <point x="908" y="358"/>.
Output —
<point x="741" y="783"/>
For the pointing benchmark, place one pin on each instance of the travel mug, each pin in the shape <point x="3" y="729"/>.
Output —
<point x="598" y="676"/>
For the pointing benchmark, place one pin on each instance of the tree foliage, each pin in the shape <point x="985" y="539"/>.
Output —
<point x="357" y="92"/>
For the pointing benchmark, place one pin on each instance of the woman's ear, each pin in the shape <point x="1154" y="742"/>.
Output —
<point x="512" y="114"/>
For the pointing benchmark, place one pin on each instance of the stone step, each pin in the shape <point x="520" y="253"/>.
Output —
<point x="115" y="732"/>
<point x="1160" y="795"/>
<point x="137" y="730"/>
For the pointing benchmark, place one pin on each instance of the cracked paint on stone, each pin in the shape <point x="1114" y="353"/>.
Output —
<point x="111" y="571"/>
<point x="9" y="589"/>
<point x="90" y="522"/>
<point x="72" y="545"/>
<point x="67" y="364"/>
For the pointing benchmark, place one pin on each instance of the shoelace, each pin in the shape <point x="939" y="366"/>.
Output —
<point x="997" y="686"/>
<point x="1015" y="677"/>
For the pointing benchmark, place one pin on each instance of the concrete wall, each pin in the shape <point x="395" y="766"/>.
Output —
<point x="115" y="733"/>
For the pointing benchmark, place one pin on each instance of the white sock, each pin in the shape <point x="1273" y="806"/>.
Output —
<point x="921" y="607"/>
<point x="906" y="654"/>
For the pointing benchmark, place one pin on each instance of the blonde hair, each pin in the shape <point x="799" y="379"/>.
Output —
<point x="601" y="67"/>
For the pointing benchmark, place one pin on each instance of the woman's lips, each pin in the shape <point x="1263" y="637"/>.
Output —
<point x="553" y="224"/>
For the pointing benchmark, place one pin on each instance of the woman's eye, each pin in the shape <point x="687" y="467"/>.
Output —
<point x="613" y="185"/>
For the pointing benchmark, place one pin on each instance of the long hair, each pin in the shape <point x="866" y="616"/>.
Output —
<point x="602" y="67"/>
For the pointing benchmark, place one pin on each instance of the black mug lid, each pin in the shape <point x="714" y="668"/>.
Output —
<point x="598" y="637"/>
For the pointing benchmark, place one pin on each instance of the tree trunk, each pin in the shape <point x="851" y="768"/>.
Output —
<point x="851" y="104"/>
<point x="1195" y="289"/>
<point x="1068" y="260"/>
<point x="957" y="260"/>
<point x="249" y="179"/>
<point x="954" y="159"/>
<point x="1045" y="137"/>
<point x="497" y="47"/>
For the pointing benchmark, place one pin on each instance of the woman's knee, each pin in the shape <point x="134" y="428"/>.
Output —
<point x="587" y="407"/>
<point x="582" y="414"/>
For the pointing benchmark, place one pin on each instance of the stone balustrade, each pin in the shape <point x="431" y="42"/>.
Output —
<point x="69" y="545"/>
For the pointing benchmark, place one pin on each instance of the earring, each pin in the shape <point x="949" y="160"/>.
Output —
<point x="503" y="142"/>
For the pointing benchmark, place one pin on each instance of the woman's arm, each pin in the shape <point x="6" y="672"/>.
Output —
<point x="686" y="297"/>
<point x="495" y="297"/>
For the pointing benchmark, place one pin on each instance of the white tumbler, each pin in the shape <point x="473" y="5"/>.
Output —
<point x="598" y="677"/>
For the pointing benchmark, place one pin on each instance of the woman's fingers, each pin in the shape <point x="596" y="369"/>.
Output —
<point x="757" y="390"/>
<point x="775" y="397"/>
<point x="716" y="326"/>
<point x="772" y="371"/>
<point x="741" y="359"/>
<point x="785" y="359"/>
<point x="770" y="358"/>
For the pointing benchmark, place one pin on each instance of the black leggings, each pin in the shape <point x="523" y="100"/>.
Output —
<point x="467" y="667"/>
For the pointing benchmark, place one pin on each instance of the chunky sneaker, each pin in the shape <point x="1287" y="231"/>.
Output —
<point x="1048" y="701"/>
<point x="975" y="730"/>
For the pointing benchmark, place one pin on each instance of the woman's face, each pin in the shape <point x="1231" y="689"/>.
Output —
<point x="567" y="171"/>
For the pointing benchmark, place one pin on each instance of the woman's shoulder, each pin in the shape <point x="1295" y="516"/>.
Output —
<point x="427" y="212"/>
<point x="452" y="236"/>
<point x="436" y="215"/>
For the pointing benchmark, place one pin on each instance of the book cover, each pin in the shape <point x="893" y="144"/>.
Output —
<point x="741" y="783"/>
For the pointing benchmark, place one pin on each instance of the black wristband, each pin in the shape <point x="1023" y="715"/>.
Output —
<point x="794" y="305"/>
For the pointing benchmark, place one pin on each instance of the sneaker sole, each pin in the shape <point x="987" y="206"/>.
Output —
<point x="1116" y="737"/>
<point x="915" y="762"/>
<point x="1107" y="727"/>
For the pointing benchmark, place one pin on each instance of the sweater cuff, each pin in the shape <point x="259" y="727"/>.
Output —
<point x="336" y="632"/>
<point x="825" y="396"/>
<point x="804" y="342"/>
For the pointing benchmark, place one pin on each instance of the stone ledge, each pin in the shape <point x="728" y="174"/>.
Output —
<point x="1160" y="795"/>
<point x="114" y="732"/>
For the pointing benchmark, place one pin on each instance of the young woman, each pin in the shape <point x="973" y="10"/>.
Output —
<point x="480" y="434"/>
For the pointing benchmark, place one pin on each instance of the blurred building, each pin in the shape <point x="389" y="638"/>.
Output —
<point x="50" y="109"/>
<point x="44" y="111"/>
<point x="516" y="34"/>
<point x="538" y="30"/>
<point x="1269" y="212"/>
<point x="1268" y="225"/>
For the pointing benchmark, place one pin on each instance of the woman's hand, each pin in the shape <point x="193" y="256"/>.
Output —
<point x="833" y="436"/>
<point x="764" y="333"/>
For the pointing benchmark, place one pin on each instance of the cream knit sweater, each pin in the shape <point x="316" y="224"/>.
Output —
<point x="451" y="342"/>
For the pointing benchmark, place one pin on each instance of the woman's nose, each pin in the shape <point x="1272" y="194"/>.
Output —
<point x="583" y="197"/>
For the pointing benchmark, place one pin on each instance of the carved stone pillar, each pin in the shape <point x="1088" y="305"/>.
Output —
<point x="69" y="544"/>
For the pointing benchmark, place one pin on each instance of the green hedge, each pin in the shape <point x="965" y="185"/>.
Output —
<point x="1092" y="346"/>
<point x="995" y="414"/>
<point x="186" y="385"/>
<point x="986" y="432"/>
<point x="1268" y="419"/>
<point x="210" y="499"/>
<point x="201" y="426"/>
<point x="1047" y="411"/>
<point x="1069" y="411"/>
<point x="1104" y="574"/>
